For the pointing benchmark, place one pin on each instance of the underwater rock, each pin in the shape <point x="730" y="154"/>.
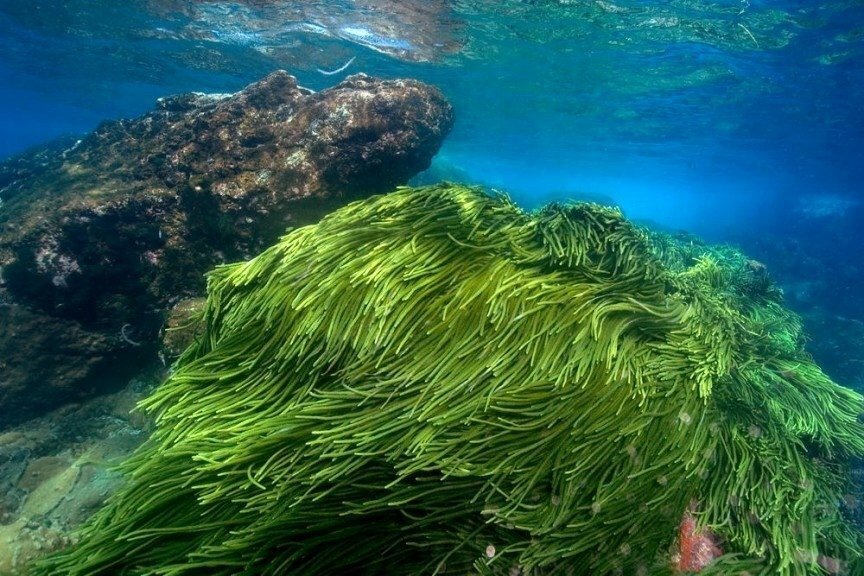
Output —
<point x="96" y="240"/>
<point x="182" y="327"/>
<point x="56" y="470"/>
<point x="434" y="381"/>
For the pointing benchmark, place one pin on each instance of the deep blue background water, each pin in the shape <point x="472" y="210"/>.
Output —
<point x="740" y="121"/>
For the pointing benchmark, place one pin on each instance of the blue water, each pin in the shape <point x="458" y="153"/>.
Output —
<point x="739" y="121"/>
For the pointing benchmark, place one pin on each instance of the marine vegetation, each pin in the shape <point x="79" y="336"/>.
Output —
<point x="434" y="381"/>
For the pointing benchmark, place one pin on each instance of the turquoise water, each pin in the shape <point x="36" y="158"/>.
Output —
<point x="683" y="111"/>
<point x="737" y="120"/>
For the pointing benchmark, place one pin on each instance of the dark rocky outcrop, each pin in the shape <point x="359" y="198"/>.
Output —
<point x="98" y="239"/>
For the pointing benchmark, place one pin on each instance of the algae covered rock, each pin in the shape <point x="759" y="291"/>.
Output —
<point x="98" y="239"/>
<point x="182" y="326"/>
<point x="436" y="382"/>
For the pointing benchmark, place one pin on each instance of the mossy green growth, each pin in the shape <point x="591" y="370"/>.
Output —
<point x="434" y="381"/>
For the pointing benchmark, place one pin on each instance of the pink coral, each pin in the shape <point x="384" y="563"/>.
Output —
<point x="696" y="547"/>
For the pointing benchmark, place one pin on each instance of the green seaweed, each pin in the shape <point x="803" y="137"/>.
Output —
<point x="434" y="381"/>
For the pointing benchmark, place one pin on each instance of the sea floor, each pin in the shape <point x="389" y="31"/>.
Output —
<point x="55" y="471"/>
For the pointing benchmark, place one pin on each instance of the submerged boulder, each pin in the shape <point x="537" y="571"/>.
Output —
<point x="433" y="381"/>
<point x="97" y="239"/>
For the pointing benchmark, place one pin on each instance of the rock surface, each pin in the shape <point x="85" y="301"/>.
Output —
<point x="57" y="469"/>
<point x="98" y="239"/>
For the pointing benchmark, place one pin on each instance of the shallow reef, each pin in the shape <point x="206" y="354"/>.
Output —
<point x="435" y="381"/>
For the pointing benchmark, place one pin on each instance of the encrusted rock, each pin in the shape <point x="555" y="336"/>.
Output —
<point x="182" y="326"/>
<point x="98" y="239"/>
<point x="56" y="470"/>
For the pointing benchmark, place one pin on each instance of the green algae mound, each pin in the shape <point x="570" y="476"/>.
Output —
<point x="434" y="381"/>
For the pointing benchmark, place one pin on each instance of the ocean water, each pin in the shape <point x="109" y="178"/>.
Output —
<point x="737" y="121"/>
<point x="728" y="119"/>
